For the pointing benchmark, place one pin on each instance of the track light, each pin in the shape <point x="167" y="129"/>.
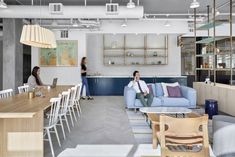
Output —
<point x="130" y="4"/>
<point x="3" y="4"/>
<point x="194" y="4"/>
<point x="167" y="23"/>
<point x="217" y="12"/>
<point x="75" y="23"/>
<point x="124" y="24"/>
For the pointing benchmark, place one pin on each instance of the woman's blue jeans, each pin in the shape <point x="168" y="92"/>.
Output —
<point x="85" y="83"/>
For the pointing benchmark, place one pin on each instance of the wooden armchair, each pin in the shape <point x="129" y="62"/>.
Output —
<point x="184" y="132"/>
<point x="155" y="128"/>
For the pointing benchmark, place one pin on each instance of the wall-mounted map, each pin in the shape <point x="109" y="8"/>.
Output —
<point x="66" y="54"/>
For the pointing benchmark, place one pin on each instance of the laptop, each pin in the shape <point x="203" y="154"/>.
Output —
<point x="54" y="83"/>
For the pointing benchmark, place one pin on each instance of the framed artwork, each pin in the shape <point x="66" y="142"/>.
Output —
<point x="66" y="54"/>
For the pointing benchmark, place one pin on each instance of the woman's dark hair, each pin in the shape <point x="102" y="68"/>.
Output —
<point x="134" y="73"/>
<point x="34" y="73"/>
<point x="83" y="60"/>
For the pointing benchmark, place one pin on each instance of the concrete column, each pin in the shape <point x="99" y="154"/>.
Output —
<point x="12" y="54"/>
<point x="1" y="62"/>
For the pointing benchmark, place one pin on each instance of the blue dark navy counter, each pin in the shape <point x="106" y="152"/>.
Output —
<point x="114" y="85"/>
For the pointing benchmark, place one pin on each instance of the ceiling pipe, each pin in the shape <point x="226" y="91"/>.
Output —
<point x="17" y="11"/>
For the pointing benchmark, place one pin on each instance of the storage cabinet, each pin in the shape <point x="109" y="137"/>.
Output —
<point x="114" y="86"/>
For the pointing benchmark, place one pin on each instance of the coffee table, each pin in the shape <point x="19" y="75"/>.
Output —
<point x="166" y="110"/>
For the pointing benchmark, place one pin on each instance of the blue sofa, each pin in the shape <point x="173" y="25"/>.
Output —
<point x="188" y="100"/>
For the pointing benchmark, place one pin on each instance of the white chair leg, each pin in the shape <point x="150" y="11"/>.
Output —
<point x="50" y="142"/>
<point x="57" y="136"/>
<point x="67" y="123"/>
<point x="78" y="111"/>
<point x="62" y="126"/>
<point x="71" y="117"/>
<point x="74" y="114"/>
<point x="79" y="107"/>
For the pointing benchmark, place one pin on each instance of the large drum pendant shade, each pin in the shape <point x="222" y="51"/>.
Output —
<point x="36" y="36"/>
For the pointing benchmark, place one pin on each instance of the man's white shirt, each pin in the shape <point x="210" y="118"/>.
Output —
<point x="143" y="86"/>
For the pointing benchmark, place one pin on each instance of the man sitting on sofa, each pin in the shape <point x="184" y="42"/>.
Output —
<point x="141" y="89"/>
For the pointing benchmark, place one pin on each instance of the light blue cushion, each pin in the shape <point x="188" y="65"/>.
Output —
<point x="175" y="102"/>
<point x="159" y="90"/>
<point x="156" y="102"/>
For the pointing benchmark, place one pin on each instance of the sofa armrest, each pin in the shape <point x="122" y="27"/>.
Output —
<point x="223" y="130"/>
<point x="190" y="94"/>
<point x="129" y="96"/>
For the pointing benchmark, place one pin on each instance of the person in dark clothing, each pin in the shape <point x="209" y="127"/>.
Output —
<point x="84" y="79"/>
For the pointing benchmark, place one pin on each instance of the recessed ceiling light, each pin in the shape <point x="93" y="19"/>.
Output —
<point x="195" y="4"/>
<point x="130" y="4"/>
<point x="3" y="4"/>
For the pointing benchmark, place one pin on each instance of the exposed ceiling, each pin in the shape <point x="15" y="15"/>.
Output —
<point x="150" y="6"/>
<point x="164" y="7"/>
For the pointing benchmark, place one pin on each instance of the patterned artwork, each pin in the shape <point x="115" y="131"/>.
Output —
<point x="65" y="54"/>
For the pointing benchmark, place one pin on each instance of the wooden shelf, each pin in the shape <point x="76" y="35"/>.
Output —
<point x="223" y="69"/>
<point x="132" y="53"/>
<point x="205" y="55"/>
<point x="211" y="24"/>
<point x="109" y="56"/>
<point x="134" y="49"/>
<point x="210" y="40"/>
<point x="204" y="69"/>
<point x="152" y="49"/>
<point x="115" y="49"/>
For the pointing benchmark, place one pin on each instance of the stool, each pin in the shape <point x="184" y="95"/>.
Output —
<point x="211" y="107"/>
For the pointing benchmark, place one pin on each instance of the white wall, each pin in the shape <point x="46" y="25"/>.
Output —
<point x="66" y="75"/>
<point x="95" y="60"/>
<point x="71" y="75"/>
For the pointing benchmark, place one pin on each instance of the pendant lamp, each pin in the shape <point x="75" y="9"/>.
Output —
<point x="36" y="36"/>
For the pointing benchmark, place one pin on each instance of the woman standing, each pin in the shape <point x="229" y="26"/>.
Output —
<point x="34" y="79"/>
<point x="84" y="79"/>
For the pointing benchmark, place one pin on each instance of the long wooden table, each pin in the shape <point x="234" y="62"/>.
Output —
<point x="21" y="123"/>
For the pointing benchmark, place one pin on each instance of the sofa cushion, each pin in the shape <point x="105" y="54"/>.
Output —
<point x="173" y="102"/>
<point x="168" y="84"/>
<point x="158" y="89"/>
<point x="174" y="92"/>
<point x="156" y="102"/>
<point x="151" y="88"/>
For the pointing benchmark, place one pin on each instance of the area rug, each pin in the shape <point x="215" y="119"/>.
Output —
<point x="141" y="128"/>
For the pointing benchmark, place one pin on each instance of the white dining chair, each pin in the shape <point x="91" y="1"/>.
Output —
<point x="64" y="110"/>
<point x="71" y="105"/>
<point x="6" y="93"/>
<point x="23" y="89"/>
<point x="77" y="98"/>
<point x="51" y="121"/>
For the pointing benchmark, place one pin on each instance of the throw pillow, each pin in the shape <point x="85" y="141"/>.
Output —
<point x="168" y="84"/>
<point x="159" y="90"/>
<point x="174" y="91"/>
<point x="150" y="89"/>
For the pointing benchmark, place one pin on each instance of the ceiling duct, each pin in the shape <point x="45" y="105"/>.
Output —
<point x="20" y="11"/>
<point x="56" y="8"/>
<point x="112" y="8"/>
